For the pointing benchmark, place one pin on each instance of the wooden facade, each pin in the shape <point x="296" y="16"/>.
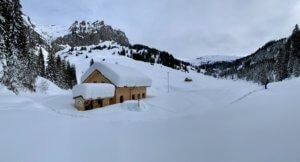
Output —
<point x="121" y="93"/>
<point x="82" y="104"/>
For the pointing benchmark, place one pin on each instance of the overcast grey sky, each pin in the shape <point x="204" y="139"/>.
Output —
<point x="186" y="28"/>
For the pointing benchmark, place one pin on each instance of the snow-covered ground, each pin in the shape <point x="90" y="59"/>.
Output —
<point x="207" y="120"/>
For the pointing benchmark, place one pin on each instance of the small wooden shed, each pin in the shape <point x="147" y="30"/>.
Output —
<point x="92" y="95"/>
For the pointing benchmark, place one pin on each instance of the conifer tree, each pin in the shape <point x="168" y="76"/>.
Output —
<point x="41" y="63"/>
<point x="73" y="76"/>
<point x="297" y="67"/>
<point x="18" y="62"/>
<point x="58" y="71"/>
<point x="51" y="67"/>
<point x="92" y="62"/>
<point x="281" y="66"/>
<point x="296" y="29"/>
<point x="290" y="66"/>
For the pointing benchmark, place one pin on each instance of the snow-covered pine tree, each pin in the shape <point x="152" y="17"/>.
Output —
<point x="58" y="71"/>
<point x="41" y="63"/>
<point x="63" y="81"/>
<point x="8" y="55"/>
<point x="73" y="76"/>
<point x="294" y="44"/>
<point x="290" y="66"/>
<point x="281" y="65"/>
<point x="2" y="21"/>
<point x="15" y="55"/>
<point x="297" y="67"/>
<point x="62" y="76"/>
<point x="51" y="67"/>
<point x="27" y="61"/>
<point x="70" y="73"/>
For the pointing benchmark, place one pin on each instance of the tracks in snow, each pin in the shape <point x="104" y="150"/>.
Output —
<point x="67" y="114"/>
<point x="246" y="95"/>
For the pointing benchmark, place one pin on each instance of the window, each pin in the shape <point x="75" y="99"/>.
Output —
<point x="144" y="96"/>
<point x="139" y="96"/>
<point x="100" y="103"/>
<point x="95" y="81"/>
<point x="133" y="97"/>
<point x="89" y="106"/>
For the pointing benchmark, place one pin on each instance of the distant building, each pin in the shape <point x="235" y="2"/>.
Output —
<point x="101" y="79"/>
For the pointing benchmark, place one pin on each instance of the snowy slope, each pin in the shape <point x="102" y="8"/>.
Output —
<point x="51" y="32"/>
<point x="207" y="120"/>
<point x="212" y="59"/>
<point x="82" y="58"/>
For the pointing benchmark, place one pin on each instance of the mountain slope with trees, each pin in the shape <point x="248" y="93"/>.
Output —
<point x="26" y="54"/>
<point x="275" y="61"/>
<point x="81" y="35"/>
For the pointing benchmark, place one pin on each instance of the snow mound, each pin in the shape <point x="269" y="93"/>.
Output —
<point x="135" y="106"/>
<point x="44" y="86"/>
<point x="119" y="75"/>
<point x="93" y="91"/>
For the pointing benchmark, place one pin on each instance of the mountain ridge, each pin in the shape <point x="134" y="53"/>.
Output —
<point x="86" y="33"/>
<point x="275" y="61"/>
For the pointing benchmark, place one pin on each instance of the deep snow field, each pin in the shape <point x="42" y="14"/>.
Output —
<point x="207" y="120"/>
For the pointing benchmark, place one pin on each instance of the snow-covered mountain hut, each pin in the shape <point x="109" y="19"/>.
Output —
<point x="128" y="83"/>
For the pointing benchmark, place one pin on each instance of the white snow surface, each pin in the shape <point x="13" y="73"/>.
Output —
<point x="137" y="106"/>
<point x="93" y="90"/>
<point x="119" y="75"/>
<point x="208" y="119"/>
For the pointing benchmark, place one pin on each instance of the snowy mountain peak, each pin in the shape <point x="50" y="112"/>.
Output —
<point x="87" y="33"/>
<point x="51" y="32"/>
<point x="81" y="33"/>
<point x="212" y="59"/>
<point x="86" y="27"/>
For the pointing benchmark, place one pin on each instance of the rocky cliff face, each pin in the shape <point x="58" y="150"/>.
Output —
<point x="91" y="33"/>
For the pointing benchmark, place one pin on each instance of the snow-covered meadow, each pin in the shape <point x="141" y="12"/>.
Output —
<point x="206" y="120"/>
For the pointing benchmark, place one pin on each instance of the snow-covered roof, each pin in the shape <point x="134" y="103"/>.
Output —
<point x="93" y="91"/>
<point x="119" y="75"/>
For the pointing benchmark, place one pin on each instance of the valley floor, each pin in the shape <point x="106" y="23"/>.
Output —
<point x="207" y="120"/>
